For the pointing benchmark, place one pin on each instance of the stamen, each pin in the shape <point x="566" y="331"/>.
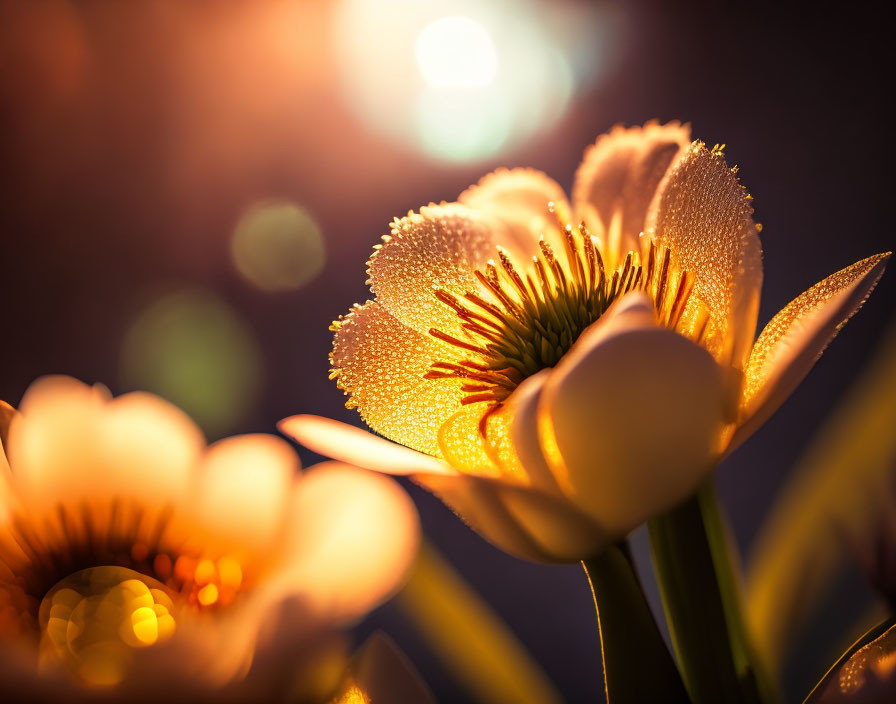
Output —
<point x="522" y="321"/>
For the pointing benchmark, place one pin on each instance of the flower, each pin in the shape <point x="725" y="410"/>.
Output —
<point x="136" y="563"/>
<point x="565" y="372"/>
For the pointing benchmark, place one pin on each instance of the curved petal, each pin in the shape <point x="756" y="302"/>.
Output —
<point x="618" y="179"/>
<point x="381" y="364"/>
<point x="241" y="496"/>
<point x="136" y="446"/>
<point x="357" y="447"/>
<point x="704" y="215"/>
<point x="438" y="248"/>
<point x="631" y="418"/>
<point x="518" y="519"/>
<point x="794" y="339"/>
<point x="352" y="537"/>
<point x="7" y="413"/>
<point x="518" y="199"/>
<point x="523" y="408"/>
<point x="380" y="672"/>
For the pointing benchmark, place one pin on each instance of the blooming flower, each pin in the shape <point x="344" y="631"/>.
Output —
<point x="564" y="372"/>
<point x="136" y="563"/>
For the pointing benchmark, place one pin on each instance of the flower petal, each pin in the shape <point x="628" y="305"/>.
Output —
<point x="381" y="363"/>
<point x="794" y="339"/>
<point x="518" y="199"/>
<point x="619" y="176"/>
<point x="631" y="417"/>
<point x="357" y="447"/>
<point x="7" y="413"/>
<point x="522" y="405"/>
<point x="353" y="535"/>
<point x="69" y="443"/>
<point x="384" y="675"/>
<point x="241" y="497"/>
<point x="704" y="215"/>
<point x="518" y="519"/>
<point x="439" y="247"/>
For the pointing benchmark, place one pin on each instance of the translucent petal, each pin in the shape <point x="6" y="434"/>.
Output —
<point x="632" y="417"/>
<point x="243" y="485"/>
<point x="353" y="535"/>
<point x="381" y="363"/>
<point x="439" y="247"/>
<point x="619" y="176"/>
<point x="518" y="519"/>
<point x="704" y="215"/>
<point x="357" y="447"/>
<point x="794" y="339"/>
<point x="70" y="444"/>
<point x="380" y="672"/>
<point x="518" y="199"/>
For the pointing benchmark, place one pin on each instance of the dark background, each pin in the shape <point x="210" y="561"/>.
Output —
<point x="132" y="135"/>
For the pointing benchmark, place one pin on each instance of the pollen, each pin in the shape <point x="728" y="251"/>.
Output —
<point x="526" y="317"/>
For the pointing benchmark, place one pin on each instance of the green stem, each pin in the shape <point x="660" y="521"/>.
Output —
<point x="701" y="597"/>
<point x="637" y="664"/>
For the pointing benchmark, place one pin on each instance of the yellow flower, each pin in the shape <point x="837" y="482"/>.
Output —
<point x="565" y="372"/>
<point x="136" y="561"/>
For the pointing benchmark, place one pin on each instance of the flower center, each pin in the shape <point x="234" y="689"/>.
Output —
<point x="526" y="319"/>
<point x="93" y="621"/>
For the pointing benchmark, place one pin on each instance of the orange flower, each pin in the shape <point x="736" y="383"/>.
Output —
<point x="566" y="372"/>
<point x="137" y="563"/>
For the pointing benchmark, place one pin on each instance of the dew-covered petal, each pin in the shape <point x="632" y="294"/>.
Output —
<point x="631" y="418"/>
<point x="794" y="339"/>
<point x="618" y="179"/>
<point x="704" y="215"/>
<point x="352" y="537"/>
<point x="518" y="519"/>
<point x="438" y="248"/>
<point x="357" y="447"/>
<point x="519" y="200"/>
<point x="242" y="491"/>
<point x="381" y="363"/>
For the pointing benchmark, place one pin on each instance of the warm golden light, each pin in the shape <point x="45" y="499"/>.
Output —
<point x="93" y="619"/>
<point x="277" y="246"/>
<point x="456" y="52"/>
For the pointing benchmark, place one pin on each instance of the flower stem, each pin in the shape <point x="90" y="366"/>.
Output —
<point x="636" y="662"/>
<point x="701" y="597"/>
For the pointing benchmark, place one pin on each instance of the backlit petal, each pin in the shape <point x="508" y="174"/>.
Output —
<point x="381" y="364"/>
<point x="518" y="519"/>
<point x="794" y="339"/>
<point x="353" y="535"/>
<point x="704" y="215"/>
<point x="357" y="447"/>
<point x="523" y="408"/>
<point x="243" y="487"/>
<point x="518" y="199"/>
<point x="631" y="418"/>
<point x="136" y="446"/>
<point x="381" y="673"/>
<point x="439" y="247"/>
<point x="619" y="176"/>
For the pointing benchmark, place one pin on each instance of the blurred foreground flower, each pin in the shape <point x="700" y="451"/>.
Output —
<point x="136" y="563"/>
<point x="563" y="373"/>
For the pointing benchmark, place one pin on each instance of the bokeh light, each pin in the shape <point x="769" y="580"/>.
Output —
<point x="463" y="81"/>
<point x="193" y="349"/>
<point x="277" y="246"/>
<point x="93" y="620"/>
<point x="456" y="52"/>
